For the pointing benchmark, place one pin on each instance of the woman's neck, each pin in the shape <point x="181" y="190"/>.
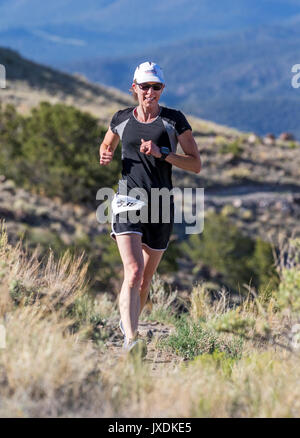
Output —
<point x="147" y="114"/>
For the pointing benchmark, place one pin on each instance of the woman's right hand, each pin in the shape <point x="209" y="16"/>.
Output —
<point x="106" y="156"/>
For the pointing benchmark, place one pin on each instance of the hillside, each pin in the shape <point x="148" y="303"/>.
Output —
<point x="251" y="181"/>
<point x="29" y="83"/>
<point x="237" y="57"/>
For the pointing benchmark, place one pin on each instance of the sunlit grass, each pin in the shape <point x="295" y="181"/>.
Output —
<point x="232" y="360"/>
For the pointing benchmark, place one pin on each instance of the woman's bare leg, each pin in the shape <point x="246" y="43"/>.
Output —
<point x="130" y="249"/>
<point x="151" y="261"/>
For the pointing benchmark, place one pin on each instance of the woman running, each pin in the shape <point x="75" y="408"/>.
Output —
<point x="149" y="134"/>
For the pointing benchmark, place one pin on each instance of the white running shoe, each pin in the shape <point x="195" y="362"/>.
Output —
<point x="136" y="347"/>
<point x="121" y="327"/>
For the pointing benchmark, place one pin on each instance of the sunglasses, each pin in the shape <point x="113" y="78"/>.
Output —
<point x="156" y="87"/>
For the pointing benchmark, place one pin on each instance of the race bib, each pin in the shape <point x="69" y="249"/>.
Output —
<point x="122" y="203"/>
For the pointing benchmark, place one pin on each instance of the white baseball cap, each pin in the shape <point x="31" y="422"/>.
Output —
<point x="148" y="72"/>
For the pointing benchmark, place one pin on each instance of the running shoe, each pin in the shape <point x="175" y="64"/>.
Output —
<point x="136" y="347"/>
<point x="121" y="327"/>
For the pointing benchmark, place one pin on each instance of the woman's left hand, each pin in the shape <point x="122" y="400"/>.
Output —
<point x="150" y="148"/>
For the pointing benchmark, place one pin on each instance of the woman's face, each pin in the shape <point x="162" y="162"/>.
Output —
<point x="148" y="96"/>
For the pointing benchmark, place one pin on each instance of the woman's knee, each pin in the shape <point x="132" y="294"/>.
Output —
<point x="133" y="274"/>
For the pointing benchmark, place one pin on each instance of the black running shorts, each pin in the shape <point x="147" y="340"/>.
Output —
<point x="154" y="235"/>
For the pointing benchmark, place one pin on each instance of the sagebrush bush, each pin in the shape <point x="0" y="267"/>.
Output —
<point x="238" y="258"/>
<point x="163" y="300"/>
<point x="193" y="339"/>
<point x="235" y="147"/>
<point x="55" y="151"/>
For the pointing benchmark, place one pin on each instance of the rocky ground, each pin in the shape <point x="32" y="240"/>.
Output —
<point x="256" y="185"/>
<point x="23" y="211"/>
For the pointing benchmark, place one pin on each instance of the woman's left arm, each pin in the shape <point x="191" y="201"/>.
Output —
<point x="190" y="160"/>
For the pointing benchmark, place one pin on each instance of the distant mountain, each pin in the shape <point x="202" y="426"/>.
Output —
<point x="241" y="80"/>
<point x="226" y="60"/>
<point x="28" y="83"/>
<point x="54" y="31"/>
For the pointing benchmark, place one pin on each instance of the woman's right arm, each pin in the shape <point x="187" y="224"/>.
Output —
<point x="108" y="147"/>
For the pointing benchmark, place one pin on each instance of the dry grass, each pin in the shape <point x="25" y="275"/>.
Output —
<point x="48" y="370"/>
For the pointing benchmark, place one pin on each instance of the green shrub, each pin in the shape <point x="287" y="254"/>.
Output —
<point x="238" y="173"/>
<point x="237" y="257"/>
<point x="22" y="294"/>
<point x="168" y="262"/>
<point x="233" y="322"/>
<point x="219" y="360"/>
<point x="55" y="151"/>
<point x="263" y="265"/>
<point x="289" y="289"/>
<point x="288" y="296"/>
<point x="193" y="339"/>
<point x="222" y="247"/>
<point x="221" y="141"/>
<point x="43" y="238"/>
<point x="87" y="319"/>
<point x="234" y="148"/>
<point x="163" y="301"/>
<point x="293" y="145"/>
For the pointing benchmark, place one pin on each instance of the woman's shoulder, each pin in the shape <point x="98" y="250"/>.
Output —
<point x="175" y="118"/>
<point x="170" y="112"/>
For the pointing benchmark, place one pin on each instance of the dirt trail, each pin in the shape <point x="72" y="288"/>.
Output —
<point x="152" y="332"/>
<point x="252" y="192"/>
